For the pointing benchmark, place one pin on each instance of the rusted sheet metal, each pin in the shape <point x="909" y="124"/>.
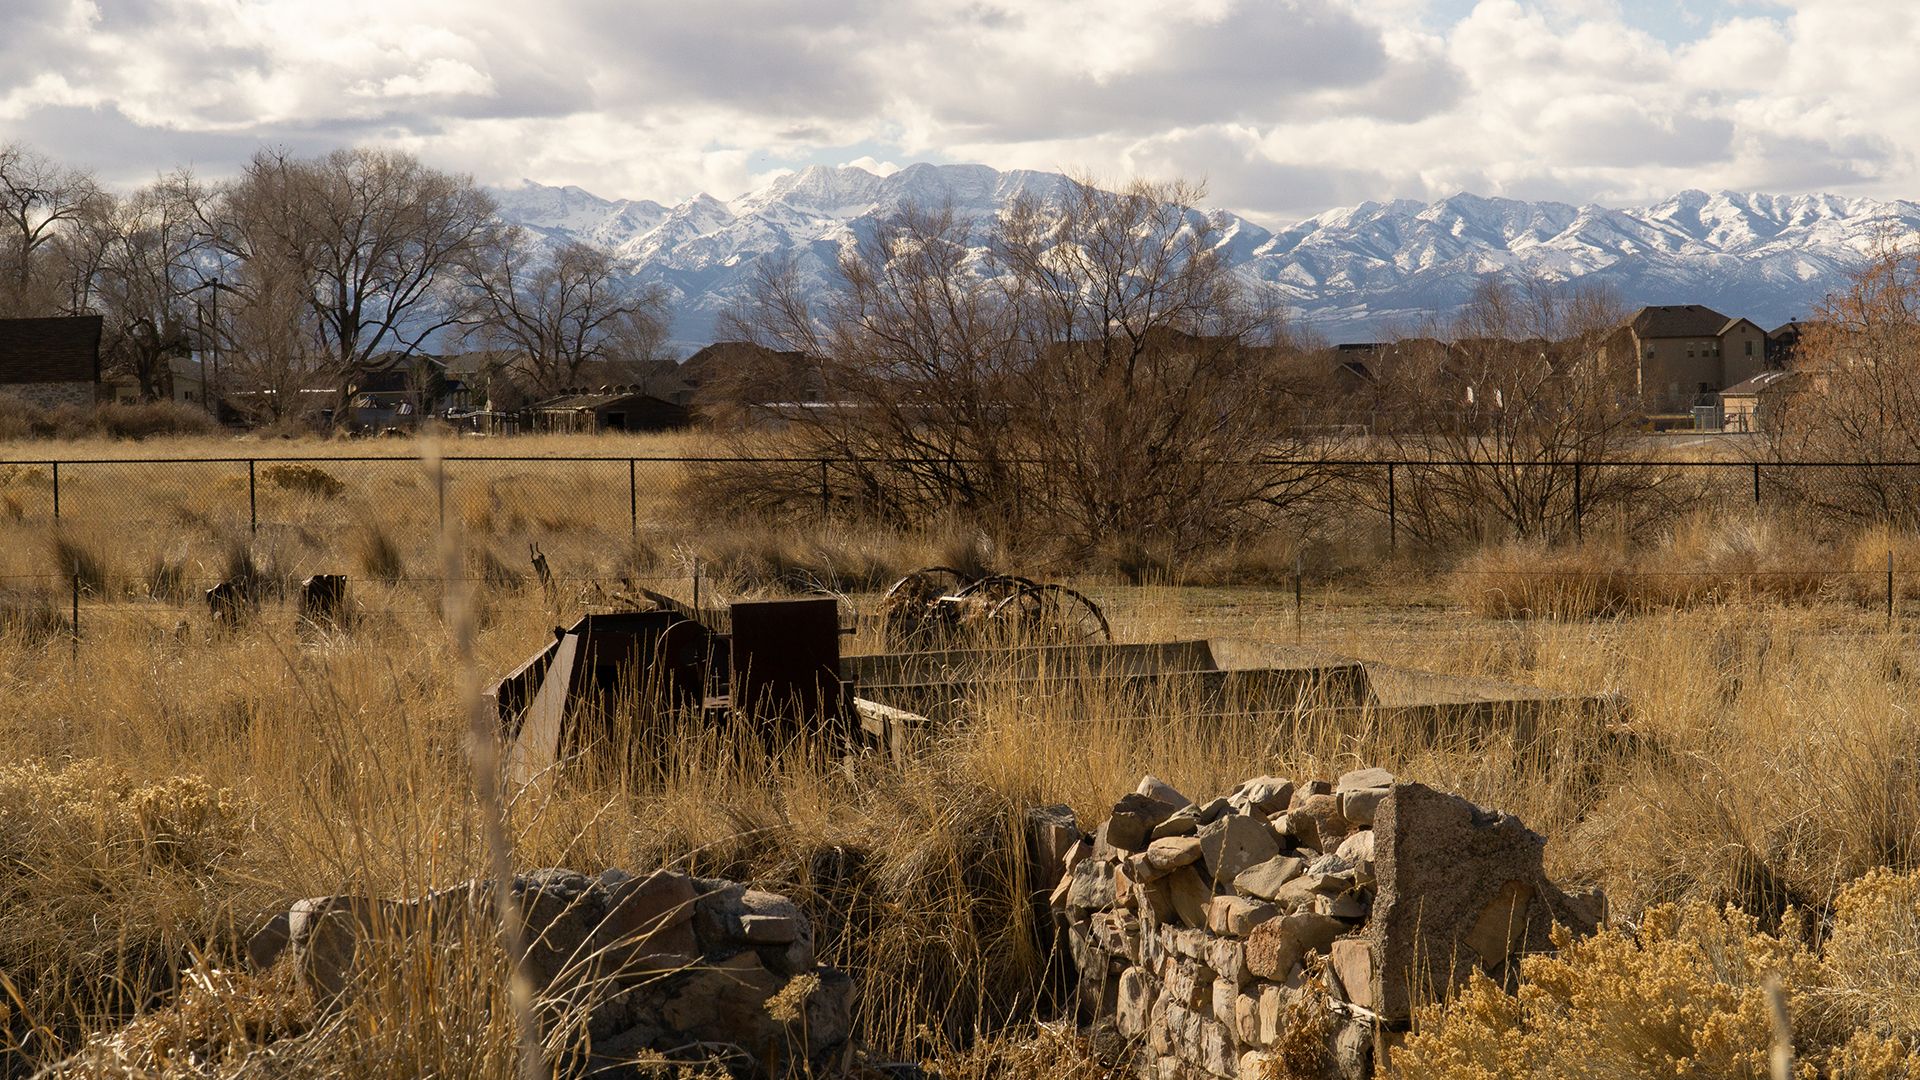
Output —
<point x="610" y="675"/>
<point x="785" y="660"/>
<point x="323" y="598"/>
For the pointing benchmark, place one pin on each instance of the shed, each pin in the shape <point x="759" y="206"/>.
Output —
<point x="609" y="409"/>
<point x="53" y="361"/>
<point x="1746" y="405"/>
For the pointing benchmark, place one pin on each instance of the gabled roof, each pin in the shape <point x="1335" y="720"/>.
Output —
<point x="50" y="350"/>
<point x="569" y="402"/>
<point x="1679" y="321"/>
<point x="1763" y="381"/>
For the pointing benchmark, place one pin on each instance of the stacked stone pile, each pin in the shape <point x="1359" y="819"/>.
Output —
<point x="1200" y="928"/>
<point x="656" y="962"/>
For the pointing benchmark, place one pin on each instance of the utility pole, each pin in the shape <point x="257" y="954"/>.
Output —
<point x="210" y="381"/>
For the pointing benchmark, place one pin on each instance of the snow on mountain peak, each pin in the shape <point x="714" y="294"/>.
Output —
<point x="1350" y="270"/>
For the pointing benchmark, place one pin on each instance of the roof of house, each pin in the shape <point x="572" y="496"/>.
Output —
<point x="63" y="349"/>
<point x="570" y="402"/>
<point x="1680" y="321"/>
<point x="1766" y="380"/>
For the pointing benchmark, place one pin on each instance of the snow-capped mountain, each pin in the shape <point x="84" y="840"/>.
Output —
<point x="1351" y="273"/>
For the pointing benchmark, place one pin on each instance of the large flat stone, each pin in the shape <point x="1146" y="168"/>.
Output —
<point x="1458" y="887"/>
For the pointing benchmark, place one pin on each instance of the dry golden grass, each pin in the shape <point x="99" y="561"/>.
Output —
<point x="168" y="783"/>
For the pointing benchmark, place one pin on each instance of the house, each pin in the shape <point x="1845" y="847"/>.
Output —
<point x="606" y="409"/>
<point x="1684" y="354"/>
<point x="181" y="379"/>
<point x="49" y="362"/>
<point x="1749" y="406"/>
<point x="1783" y="343"/>
<point x="741" y="373"/>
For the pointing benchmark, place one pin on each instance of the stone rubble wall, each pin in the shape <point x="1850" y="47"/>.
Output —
<point x="656" y="962"/>
<point x="1208" y="932"/>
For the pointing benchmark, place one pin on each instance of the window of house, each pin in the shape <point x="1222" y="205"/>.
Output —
<point x="1749" y="348"/>
<point x="1689" y="349"/>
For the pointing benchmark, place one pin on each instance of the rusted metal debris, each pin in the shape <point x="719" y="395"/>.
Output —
<point x="605" y="680"/>
<point x="609" y="677"/>
<point x="939" y="606"/>
<point x="231" y="602"/>
<point x="323" y="599"/>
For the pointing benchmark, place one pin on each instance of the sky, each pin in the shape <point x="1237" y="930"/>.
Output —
<point x="1283" y="108"/>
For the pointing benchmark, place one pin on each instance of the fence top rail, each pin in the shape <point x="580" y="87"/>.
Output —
<point x="816" y="459"/>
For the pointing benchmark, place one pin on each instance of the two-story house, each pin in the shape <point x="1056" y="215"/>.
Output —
<point x="1684" y="354"/>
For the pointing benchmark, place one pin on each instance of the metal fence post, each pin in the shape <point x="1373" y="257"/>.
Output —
<point x="1756" y="483"/>
<point x="826" y="513"/>
<point x="253" y="500"/>
<point x="56" y="491"/>
<point x="1578" y="505"/>
<point x="633" y="500"/>
<point x="440" y="492"/>
<point x="1393" y="512"/>
<point x="76" y="616"/>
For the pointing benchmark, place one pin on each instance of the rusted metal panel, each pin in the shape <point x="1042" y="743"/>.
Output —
<point x="785" y="660"/>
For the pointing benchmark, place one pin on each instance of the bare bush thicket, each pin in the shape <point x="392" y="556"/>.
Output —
<point x="1856" y="398"/>
<point x="1084" y="368"/>
<point x="1516" y="397"/>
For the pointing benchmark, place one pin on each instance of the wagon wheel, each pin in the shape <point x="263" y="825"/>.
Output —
<point x="907" y="609"/>
<point x="995" y="587"/>
<point x="1053" y="614"/>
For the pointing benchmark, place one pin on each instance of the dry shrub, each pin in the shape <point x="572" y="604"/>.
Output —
<point x="765" y="555"/>
<point x="148" y="419"/>
<point x="307" y="479"/>
<point x="219" y="1017"/>
<point x="1044" y="1052"/>
<point x="1685" y="994"/>
<point x="117" y="879"/>
<point x="23" y="420"/>
<point x="1703" y="560"/>
<point x="1871" y="960"/>
<point x="497" y="572"/>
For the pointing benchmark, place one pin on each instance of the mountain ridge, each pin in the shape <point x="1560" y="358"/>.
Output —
<point x="1348" y="272"/>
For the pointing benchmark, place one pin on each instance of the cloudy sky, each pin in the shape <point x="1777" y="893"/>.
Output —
<point x="1284" y="107"/>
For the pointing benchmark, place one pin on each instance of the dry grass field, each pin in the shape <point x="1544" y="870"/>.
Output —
<point x="166" y="783"/>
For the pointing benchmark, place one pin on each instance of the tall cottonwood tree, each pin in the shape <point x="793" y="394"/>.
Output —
<point x="371" y="244"/>
<point x="557" y="313"/>
<point x="136" y="262"/>
<point x="40" y="200"/>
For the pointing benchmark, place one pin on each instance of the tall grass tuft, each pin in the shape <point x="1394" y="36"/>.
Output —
<point x="378" y="553"/>
<point x="77" y="560"/>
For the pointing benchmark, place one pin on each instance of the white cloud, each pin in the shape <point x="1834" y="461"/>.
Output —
<point x="1281" y="105"/>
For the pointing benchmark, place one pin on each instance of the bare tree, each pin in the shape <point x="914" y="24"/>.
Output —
<point x="1855" y="397"/>
<point x="374" y="242"/>
<point x="134" y="261"/>
<point x="562" y="311"/>
<point x="1088" y="369"/>
<point x="1516" y="399"/>
<point x="39" y="198"/>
